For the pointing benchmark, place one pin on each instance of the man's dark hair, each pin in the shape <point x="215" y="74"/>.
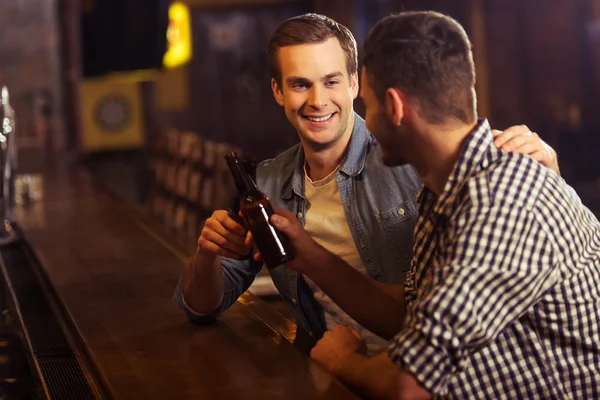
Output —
<point x="307" y="29"/>
<point x="428" y="56"/>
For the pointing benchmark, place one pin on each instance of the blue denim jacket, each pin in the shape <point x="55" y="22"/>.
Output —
<point x="381" y="209"/>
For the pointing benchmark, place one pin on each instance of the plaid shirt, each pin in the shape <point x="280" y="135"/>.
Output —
<point x="504" y="294"/>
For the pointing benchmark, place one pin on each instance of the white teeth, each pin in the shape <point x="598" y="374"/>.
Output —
<point x="321" y="119"/>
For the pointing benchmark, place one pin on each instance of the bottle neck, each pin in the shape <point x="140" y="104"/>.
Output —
<point x="243" y="182"/>
<point x="247" y="185"/>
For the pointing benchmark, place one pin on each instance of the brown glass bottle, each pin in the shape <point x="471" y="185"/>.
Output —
<point x="257" y="210"/>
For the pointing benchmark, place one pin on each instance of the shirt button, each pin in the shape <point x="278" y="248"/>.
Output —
<point x="294" y="301"/>
<point x="310" y="334"/>
<point x="401" y="211"/>
<point x="299" y="215"/>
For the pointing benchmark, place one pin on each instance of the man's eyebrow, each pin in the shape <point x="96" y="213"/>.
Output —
<point x="292" y="80"/>
<point x="332" y="75"/>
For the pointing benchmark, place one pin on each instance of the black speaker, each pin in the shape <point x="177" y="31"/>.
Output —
<point x="123" y="35"/>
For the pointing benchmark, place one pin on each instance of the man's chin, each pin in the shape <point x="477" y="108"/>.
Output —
<point x="392" y="162"/>
<point x="319" y="140"/>
<point x="318" y="146"/>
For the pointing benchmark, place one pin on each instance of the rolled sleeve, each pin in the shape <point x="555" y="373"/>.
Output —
<point x="429" y="363"/>
<point x="190" y="313"/>
<point x="237" y="278"/>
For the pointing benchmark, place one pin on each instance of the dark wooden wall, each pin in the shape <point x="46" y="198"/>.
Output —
<point x="541" y="67"/>
<point x="537" y="65"/>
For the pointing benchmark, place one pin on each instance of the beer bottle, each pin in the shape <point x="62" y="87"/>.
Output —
<point x="256" y="210"/>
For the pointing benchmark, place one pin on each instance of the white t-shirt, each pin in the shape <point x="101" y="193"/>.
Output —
<point x="326" y="223"/>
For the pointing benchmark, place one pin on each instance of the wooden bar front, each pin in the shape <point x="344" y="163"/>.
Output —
<point x="114" y="274"/>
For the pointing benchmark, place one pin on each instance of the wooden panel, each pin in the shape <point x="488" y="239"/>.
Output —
<point x="535" y="61"/>
<point x="478" y="38"/>
<point x="541" y="73"/>
<point x="553" y="54"/>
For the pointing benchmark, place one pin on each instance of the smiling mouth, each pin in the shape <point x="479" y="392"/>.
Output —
<point x="319" y="119"/>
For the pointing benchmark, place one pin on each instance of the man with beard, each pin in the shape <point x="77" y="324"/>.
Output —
<point x="502" y="297"/>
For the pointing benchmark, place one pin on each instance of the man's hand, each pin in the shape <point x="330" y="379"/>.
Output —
<point x="520" y="139"/>
<point x="342" y="352"/>
<point x="336" y="346"/>
<point x="224" y="236"/>
<point x="306" y="249"/>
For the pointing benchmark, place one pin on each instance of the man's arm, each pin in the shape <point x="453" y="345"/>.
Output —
<point x="375" y="377"/>
<point x="376" y="306"/>
<point x="214" y="278"/>
<point x="202" y="283"/>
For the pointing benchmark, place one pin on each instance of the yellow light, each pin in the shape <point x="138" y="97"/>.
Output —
<point x="179" y="36"/>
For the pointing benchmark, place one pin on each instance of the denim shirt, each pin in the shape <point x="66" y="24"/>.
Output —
<point x="380" y="206"/>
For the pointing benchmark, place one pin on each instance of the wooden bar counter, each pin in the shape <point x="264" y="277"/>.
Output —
<point x="113" y="274"/>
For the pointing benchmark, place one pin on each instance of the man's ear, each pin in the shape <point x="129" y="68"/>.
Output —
<point x="277" y="92"/>
<point x="354" y="85"/>
<point x="394" y="105"/>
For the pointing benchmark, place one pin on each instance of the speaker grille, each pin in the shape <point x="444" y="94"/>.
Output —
<point x="65" y="379"/>
<point x="60" y="369"/>
<point x="40" y="323"/>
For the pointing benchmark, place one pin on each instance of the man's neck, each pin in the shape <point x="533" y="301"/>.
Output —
<point x="321" y="163"/>
<point x="437" y="151"/>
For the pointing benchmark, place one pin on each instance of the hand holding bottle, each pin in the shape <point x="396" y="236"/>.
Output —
<point x="224" y="236"/>
<point x="256" y="209"/>
<point x="308" y="252"/>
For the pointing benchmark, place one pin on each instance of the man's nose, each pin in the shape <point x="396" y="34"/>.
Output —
<point x="318" y="97"/>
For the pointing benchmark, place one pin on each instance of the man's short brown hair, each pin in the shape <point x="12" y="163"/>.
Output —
<point x="428" y="56"/>
<point x="311" y="28"/>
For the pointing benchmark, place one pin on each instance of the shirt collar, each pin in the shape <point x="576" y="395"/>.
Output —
<point x="352" y="165"/>
<point x="473" y="156"/>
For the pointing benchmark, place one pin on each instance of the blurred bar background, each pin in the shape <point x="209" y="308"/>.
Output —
<point x="88" y="77"/>
<point x="150" y="94"/>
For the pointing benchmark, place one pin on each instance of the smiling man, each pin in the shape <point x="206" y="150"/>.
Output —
<point x="358" y="211"/>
